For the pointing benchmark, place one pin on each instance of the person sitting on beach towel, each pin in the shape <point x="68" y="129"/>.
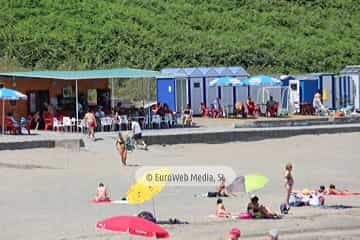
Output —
<point x="220" y="209"/>
<point x="234" y="234"/>
<point x="259" y="211"/>
<point x="101" y="193"/>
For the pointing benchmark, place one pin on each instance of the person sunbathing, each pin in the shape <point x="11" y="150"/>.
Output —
<point x="333" y="191"/>
<point x="321" y="189"/>
<point x="101" y="193"/>
<point x="259" y="211"/>
<point x="220" y="191"/>
<point x="220" y="209"/>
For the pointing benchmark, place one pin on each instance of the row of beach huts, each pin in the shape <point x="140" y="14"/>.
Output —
<point x="191" y="86"/>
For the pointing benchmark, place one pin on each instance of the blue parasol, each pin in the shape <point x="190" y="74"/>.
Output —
<point x="9" y="94"/>
<point x="262" y="80"/>
<point x="225" y="81"/>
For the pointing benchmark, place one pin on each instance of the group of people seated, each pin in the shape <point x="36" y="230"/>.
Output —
<point x="240" y="109"/>
<point x="254" y="209"/>
<point x="15" y="127"/>
<point x="252" y="109"/>
<point x="215" y="110"/>
<point x="316" y="197"/>
<point x="164" y="111"/>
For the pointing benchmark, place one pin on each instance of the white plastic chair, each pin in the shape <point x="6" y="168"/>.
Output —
<point x="83" y="126"/>
<point x="123" y="120"/>
<point x="104" y="121"/>
<point x="175" y="119"/>
<point x="115" y="122"/>
<point x="156" y="119"/>
<point x="67" y="123"/>
<point x="57" y="125"/>
<point x="167" y="120"/>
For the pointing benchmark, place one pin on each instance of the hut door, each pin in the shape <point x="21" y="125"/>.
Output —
<point x="37" y="100"/>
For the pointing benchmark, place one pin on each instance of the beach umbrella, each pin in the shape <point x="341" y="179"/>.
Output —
<point x="262" y="80"/>
<point x="147" y="186"/>
<point x="247" y="183"/>
<point x="9" y="94"/>
<point x="133" y="225"/>
<point x="225" y="81"/>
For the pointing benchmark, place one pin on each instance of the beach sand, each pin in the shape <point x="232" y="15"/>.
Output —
<point x="45" y="192"/>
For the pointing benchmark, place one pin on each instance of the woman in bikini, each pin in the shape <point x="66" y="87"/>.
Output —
<point x="289" y="183"/>
<point x="259" y="211"/>
<point x="121" y="148"/>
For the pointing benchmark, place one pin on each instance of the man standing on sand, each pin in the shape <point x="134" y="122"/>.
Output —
<point x="136" y="133"/>
<point x="91" y="123"/>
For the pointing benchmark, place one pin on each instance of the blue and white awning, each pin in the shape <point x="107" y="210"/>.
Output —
<point x="225" y="81"/>
<point x="262" y="80"/>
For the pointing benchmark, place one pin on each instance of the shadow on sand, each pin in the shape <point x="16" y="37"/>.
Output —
<point x="24" y="166"/>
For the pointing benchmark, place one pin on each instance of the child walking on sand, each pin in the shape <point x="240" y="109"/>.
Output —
<point x="121" y="148"/>
<point x="289" y="183"/>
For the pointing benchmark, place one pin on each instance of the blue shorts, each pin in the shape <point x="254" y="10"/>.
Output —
<point x="137" y="136"/>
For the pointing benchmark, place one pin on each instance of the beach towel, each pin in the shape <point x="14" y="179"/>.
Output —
<point x="343" y="194"/>
<point x="210" y="195"/>
<point x="123" y="201"/>
<point x="339" y="206"/>
<point x="107" y="200"/>
<point x="171" y="221"/>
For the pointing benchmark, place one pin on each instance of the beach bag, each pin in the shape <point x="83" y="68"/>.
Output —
<point x="245" y="215"/>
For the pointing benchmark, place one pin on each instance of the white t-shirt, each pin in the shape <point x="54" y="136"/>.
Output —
<point x="135" y="126"/>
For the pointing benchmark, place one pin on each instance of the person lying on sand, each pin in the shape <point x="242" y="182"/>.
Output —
<point x="307" y="198"/>
<point x="220" y="209"/>
<point x="259" y="211"/>
<point x="150" y="217"/>
<point x="333" y="191"/>
<point x="321" y="189"/>
<point x="234" y="234"/>
<point x="220" y="191"/>
<point x="101" y="193"/>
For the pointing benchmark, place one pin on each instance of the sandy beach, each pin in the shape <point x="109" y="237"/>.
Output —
<point x="45" y="192"/>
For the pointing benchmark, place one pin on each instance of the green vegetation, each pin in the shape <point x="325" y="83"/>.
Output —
<point x="260" y="35"/>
